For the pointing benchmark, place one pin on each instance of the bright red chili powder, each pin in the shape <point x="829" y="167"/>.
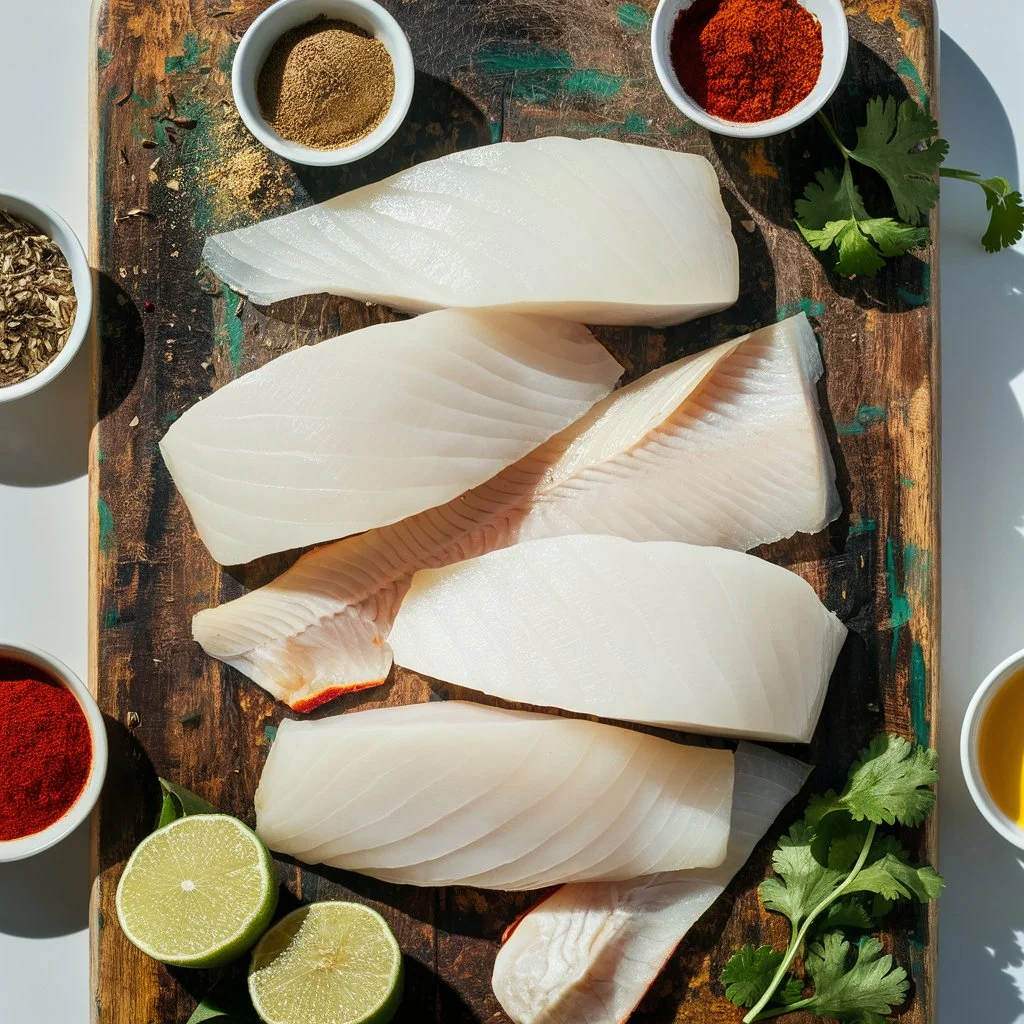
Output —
<point x="746" y="60"/>
<point x="45" y="750"/>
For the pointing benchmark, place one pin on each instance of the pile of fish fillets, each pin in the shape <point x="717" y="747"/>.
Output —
<point x="493" y="514"/>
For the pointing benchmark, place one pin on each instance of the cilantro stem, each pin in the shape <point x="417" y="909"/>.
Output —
<point x="756" y="1013"/>
<point x="778" y="1011"/>
<point x="955" y="172"/>
<point x="833" y="134"/>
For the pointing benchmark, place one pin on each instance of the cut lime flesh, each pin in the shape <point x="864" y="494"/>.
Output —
<point x="327" y="963"/>
<point x="198" y="892"/>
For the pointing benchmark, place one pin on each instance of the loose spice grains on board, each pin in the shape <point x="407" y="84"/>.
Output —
<point x="37" y="300"/>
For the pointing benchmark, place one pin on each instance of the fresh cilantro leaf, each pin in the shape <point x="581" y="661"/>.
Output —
<point x="831" y="214"/>
<point x="830" y="197"/>
<point x="856" y="993"/>
<point x="803" y="881"/>
<point x="895" y="879"/>
<point x="749" y="972"/>
<point x="887" y="784"/>
<point x="849" y="912"/>
<point x="1006" y="223"/>
<point x="898" y="141"/>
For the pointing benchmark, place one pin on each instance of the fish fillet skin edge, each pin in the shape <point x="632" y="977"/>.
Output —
<point x="374" y="426"/>
<point x="589" y="952"/>
<point x="653" y="632"/>
<point x="454" y="793"/>
<point x="593" y="230"/>
<point x="724" y="448"/>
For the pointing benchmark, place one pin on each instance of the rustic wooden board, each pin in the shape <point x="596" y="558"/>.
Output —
<point x="167" y="337"/>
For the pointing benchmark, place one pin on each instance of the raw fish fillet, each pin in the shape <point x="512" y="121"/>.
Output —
<point x="659" y="632"/>
<point x="724" y="448"/>
<point x="451" y="793"/>
<point x="377" y="425"/>
<point x="590" y="951"/>
<point x="593" y="230"/>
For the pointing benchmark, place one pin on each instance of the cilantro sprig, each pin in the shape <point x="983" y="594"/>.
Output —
<point x="898" y="141"/>
<point x="836" y="870"/>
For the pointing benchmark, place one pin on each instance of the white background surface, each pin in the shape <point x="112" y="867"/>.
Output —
<point x="43" y="497"/>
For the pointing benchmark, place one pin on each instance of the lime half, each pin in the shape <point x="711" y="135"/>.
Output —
<point x="197" y="892"/>
<point x="328" y="963"/>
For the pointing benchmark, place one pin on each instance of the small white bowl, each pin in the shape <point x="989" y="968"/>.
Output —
<point x="53" y="225"/>
<point x="835" y="45"/>
<point x="257" y="43"/>
<point x="969" y="734"/>
<point x="28" y="846"/>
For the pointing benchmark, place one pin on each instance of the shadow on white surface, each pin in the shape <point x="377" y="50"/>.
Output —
<point x="981" y="914"/>
<point x="44" y="437"/>
<point x="47" y="895"/>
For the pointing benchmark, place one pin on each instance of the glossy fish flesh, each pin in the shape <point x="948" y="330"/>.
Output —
<point x="377" y="425"/>
<point x="593" y="230"/>
<point x="723" y="448"/>
<point x="659" y="632"/>
<point x="452" y="793"/>
<point x="589" y="952"/>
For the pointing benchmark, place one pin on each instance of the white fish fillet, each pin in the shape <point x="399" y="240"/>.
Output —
<point x="377" y="425"/>
<point x="593" y="230"/>
<point x="659" y="632"/>
<point x="451" y="793"/>
<point x="724" y="448"/>
<point x="590" y="951"/>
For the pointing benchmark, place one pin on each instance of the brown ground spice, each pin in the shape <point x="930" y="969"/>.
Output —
<point x="326" y="84"/>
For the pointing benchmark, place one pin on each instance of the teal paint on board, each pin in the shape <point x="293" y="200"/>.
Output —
<point x="867" y="416"/>
<point x="594" y="83"/>
<point x="192" y="51"/>
<point x="804" y="305"/>
<point x="862" y="526"/>
<point x="918" y="693"/>
<point x="633" y="18"/>
<point x="106" y="519"/>
<point x="907" y="69"/>
<point x="637" y="124"/>
<point x="900" y="608"/>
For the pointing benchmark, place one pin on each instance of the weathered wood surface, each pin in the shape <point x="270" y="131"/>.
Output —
<point x="486" y="71"/>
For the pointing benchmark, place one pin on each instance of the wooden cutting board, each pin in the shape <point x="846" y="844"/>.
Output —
<point x="168" y="336"/>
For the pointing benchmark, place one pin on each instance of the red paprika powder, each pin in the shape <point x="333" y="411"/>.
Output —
<point x="45" y="750"/>
<point x="746" y="60"/>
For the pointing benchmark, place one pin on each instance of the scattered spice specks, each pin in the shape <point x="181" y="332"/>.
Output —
<point x="148" y="306"/>
<point x="138" y="211"/>
<point x="132" y="720"/>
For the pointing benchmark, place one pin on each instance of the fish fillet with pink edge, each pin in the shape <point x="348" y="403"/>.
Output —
<point x="589" y="952"/>
<point x="724" y="447"/>
<point x="593" y="230"/>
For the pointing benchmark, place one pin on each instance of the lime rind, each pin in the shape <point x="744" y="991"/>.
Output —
<point x="327" y="963"/>
<point x="157" y="854"/>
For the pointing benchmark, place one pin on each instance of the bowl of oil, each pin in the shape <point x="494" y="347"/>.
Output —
<point x="992" y="748"/>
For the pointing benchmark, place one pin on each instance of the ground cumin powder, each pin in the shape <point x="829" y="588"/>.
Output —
<point x="326" y="84"/>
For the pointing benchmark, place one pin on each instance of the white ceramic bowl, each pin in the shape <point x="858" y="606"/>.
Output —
<point x="18" y="849"/>
<point x="835" y="44"/>
<point x="50" y="223"/>
<point x="257" y="43"/>
<point x="1005" y="826"/>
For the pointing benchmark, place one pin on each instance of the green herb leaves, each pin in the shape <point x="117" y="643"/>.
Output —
<point x="1006" y="209"/>
<point x="834" y="870"/>
<point x="179" y="802"/>
<point x="859" y="991"/>
<point x="887" y="784"/>
<point x="897" y="141"/>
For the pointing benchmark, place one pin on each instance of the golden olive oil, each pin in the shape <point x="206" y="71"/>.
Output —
<point x="1001" y="747"/>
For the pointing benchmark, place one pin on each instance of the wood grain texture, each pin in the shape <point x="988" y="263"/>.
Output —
<point x="167" y="336"/>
